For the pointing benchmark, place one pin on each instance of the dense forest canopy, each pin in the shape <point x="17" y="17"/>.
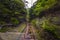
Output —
<point x="42" y="5"/>
<point x="12" y="11"/>
<point x="44" y="14"/>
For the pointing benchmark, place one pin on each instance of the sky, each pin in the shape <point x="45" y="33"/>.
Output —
<point x="30" y="3"/>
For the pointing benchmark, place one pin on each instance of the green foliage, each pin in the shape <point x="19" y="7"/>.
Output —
<point x="47" y="25"/>
<point x="56" y="19"/>
<point x="2" y="23"/>
<point x="14" y="21"/>
<point x="42" y="5"/>
<point x="4" y="29"/>
<point x="33" y="22"/>
<point x="51" y="27"/>
<point x="10" y="10"/>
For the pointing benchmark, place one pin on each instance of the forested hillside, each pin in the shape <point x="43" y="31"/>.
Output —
<point x="45" y="17"/>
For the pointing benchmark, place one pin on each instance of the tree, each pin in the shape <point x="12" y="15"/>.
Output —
<point x="11" y="9"/>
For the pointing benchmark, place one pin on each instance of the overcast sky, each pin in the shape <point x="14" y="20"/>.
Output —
<point x="30" y="2"/>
